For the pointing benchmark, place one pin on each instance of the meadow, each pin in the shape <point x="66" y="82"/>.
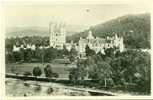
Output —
<point x="61" y="69"/>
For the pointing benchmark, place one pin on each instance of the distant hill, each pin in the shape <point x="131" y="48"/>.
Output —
<point x="40" y="31"/>
<point x="135" y="30"/>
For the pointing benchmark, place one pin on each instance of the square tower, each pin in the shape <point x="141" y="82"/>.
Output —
<point x="57" y="35"/>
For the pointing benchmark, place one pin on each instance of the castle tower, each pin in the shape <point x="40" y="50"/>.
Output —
<point x="52" y="34"/>
<point x="118" y="42"/>
<point x="90" y="36"/>
<point x="57" y="35"/>
<point x="121" y="46"/>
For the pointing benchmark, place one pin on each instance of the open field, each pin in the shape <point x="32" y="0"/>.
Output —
<point x="61" y="69"/>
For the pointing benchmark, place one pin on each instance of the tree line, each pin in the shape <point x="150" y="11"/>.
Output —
<point x="48" y="71"/>
<point x="39" y="55"/>
<point x="129" y="69"/>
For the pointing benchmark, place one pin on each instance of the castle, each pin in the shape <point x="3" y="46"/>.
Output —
<point x="57" y="39"/>
<point x="99" y="44"/>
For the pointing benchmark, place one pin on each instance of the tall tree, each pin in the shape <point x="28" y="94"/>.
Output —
<point x="88" y="51"/>
<point x="48" y="71"/>
<point x="37" y="71"/>
<point x="104" y="72"/>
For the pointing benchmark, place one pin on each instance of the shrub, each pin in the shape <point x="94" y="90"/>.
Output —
<point x="37" y="71"/>
<point x="49" y="73"/>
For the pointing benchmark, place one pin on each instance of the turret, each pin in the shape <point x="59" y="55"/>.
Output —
<point x="121" y="45"/>
<point x="90" y="36"/>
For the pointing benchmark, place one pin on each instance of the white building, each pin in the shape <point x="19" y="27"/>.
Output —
<point x="98" y="44"/>
<point x="57" y="35"/>
<point x="15" y="48"/>
<point x="27" y="46"/>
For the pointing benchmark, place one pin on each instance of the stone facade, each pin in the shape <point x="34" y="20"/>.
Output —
<point x="58" y="40"/>
<point x="99" y="44"/>
<point x="57" y="35"/>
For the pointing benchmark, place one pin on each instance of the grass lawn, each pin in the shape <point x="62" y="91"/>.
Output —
<point x="61" y="69"/>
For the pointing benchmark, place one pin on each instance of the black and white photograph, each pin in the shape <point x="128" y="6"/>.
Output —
<point x="77" y="49"/>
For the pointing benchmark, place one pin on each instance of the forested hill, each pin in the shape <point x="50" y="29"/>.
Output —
<point x="134" y="28"/>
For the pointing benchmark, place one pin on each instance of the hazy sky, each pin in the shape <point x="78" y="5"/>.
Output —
<point x="41" y="15"/>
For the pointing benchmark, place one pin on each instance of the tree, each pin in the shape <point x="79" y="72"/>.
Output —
<point x="88" y="51"/>
<point x="73" y="54"/>
<point x="73" y="75"/>
<point x="73" y="51"/>
<point x="118" y="69"/>
<point x="132" y="67"/>
<point x="82" y="70"/>
<point x="65" y="51"/>
<point x="50" y="54"/>
<point x="104" y="72"/>
<point x="71" y="58"/>
<point x="142" y="71"/>
<point x="101" y="72"/>
<point x="93" y="72"/>
<point x="48" y="71"/>
<point x="38" y="54"/>
<point x="37" y="71"/>
<point x="27" y="55"/>
<point x="79" y="73"/>
<point x="109" y="52"/>
<point x="18" y="56"/>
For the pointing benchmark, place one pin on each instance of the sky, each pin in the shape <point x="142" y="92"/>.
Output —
<point x="75" y="14"/>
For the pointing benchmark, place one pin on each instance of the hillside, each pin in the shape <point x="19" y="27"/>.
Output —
<point x="135" y="30"/>
<point x="40" y="31"/>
